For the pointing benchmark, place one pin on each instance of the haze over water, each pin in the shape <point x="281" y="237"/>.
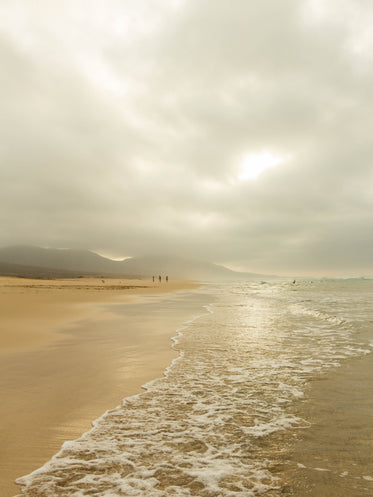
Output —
<point x="250" y="407"/>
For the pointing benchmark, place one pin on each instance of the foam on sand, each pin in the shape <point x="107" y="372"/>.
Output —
<point x="219" y="419"/>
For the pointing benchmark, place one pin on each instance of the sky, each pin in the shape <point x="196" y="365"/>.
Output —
<point x="236" y="131"/>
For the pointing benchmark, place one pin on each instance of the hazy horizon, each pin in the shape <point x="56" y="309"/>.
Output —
<point x="182" y="263"/>
<point x="238" y="133"/>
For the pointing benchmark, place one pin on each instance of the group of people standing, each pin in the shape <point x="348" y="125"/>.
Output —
<point x="160" y="279"/>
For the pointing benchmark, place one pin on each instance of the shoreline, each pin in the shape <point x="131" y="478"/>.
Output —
<point x="74" y="349"/>
<point x="33" y="309"/>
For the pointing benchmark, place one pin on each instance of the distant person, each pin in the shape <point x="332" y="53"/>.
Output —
<point x="160" y="278"/>
<point x="294" y="282"/>
<point x="153" y="279"/>
<point x="166" y="279"/>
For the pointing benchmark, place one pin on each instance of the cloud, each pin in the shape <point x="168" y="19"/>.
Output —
<point x="123" y="125"/>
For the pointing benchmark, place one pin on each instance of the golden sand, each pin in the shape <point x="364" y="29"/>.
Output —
<point x="32" y="310"/>
<point x="66" y="357"/>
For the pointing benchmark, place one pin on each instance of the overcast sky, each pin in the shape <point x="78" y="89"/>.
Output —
<point x="235" y="131"/>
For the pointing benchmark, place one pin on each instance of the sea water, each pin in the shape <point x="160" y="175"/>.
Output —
<point x="235" y="414"/>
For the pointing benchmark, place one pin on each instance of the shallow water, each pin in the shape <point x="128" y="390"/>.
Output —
<point x="52" y="393"/>
<point x="248" y="408"/>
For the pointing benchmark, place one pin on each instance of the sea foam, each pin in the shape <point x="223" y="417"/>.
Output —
<point x="200" y="429"/>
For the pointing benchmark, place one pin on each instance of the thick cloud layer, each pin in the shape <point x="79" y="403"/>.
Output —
<point x="127" y="127"/>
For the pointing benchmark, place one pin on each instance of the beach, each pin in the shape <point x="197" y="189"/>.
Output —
<point x="267" y="390"/>
<point x="67" y="355"/>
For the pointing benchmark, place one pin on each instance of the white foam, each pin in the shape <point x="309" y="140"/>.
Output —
<point x="293" y="390"/>
<point x="323" y="316"/>
<point x="241" y="368"/>
<point x="283" y="422"/>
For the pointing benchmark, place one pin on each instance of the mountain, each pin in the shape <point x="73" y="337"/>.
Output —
<point x="77" y="261"/>
<point x="180" y="268"/>
<point x="19" y="270"/>
<point x="31" y="261"/>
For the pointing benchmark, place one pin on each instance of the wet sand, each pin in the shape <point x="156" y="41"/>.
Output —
<point x="67" y="355"/>
<point x="32" y="309"/>
<point x="334" y="456"/>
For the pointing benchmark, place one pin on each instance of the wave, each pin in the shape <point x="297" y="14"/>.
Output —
<point x="211" y="425"/>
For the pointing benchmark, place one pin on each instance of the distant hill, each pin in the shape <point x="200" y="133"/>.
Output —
<point x="32" y="261"/>
<point x="76" y="261"/>
<point x="36" y="272"/>
<point x="181" y="268"/>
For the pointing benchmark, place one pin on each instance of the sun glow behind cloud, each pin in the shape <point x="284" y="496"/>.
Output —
<point x="253" y="165"/>
<point x="174" y="142"/>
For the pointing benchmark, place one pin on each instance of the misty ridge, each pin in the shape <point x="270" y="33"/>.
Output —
<point x="37" y="262"/>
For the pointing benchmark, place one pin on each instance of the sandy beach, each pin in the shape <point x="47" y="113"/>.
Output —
<point x="67" y="356"/>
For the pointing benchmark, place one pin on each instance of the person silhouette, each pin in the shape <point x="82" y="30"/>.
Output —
<point x="160" y="278"/>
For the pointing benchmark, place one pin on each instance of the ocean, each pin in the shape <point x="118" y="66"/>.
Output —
<point x="271" y="394"/>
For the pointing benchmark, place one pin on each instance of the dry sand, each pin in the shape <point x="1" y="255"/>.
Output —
<point x="66" y="357"/>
